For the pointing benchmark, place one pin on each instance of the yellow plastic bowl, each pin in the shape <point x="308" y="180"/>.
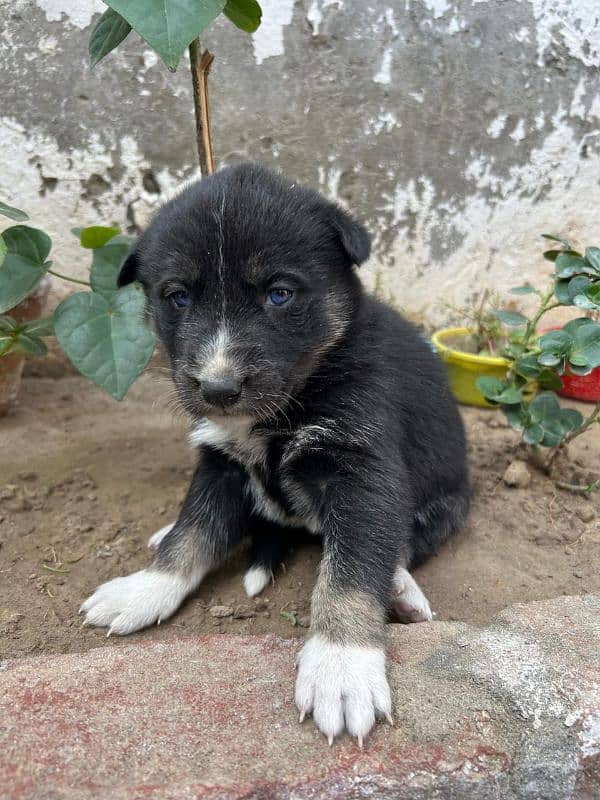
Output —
<point x="464" y="368"/>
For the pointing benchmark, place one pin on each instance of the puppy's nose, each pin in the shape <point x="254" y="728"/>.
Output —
<point x="223" y="391"/>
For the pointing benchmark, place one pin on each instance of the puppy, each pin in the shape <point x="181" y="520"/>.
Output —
<point x="313" y="407"/>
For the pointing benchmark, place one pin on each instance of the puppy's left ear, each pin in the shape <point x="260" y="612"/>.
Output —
<point x="353" y="236"/>
<point x="129" y="270"/>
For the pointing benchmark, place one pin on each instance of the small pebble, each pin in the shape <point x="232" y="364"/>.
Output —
<point x="586" y="514"/>
<point x="304" y="621"/>
<point x="517" y="475"/>
<point x="578" y="573"/>
<point x="221" y="611"/>
<point x="104" y="552"/>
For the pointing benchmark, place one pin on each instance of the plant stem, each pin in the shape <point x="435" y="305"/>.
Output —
<point x="200" y="63"/>
<point x="543" y="308"/>
<point x="590" y="420"/>
<point x="579" y="488"/>
<point x="67" y="278"/>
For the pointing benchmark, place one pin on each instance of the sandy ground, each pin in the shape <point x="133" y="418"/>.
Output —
<point x="85" y="481"/>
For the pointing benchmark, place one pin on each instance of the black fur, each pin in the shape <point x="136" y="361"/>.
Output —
<point x="353" y="431"/>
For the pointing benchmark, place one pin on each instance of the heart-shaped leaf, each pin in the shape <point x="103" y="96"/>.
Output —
<point x="106" y="262"/>
<point x="13" y="213"/>
<point x="24" y="264"/>
<point x="592" y="254"/>
<point x="567" y="265"/>
<point x="245" y="14"/>
<point x="96" y="236"/>
<point x="168" y="25"/>
<point x="498" y="391"/>
<point x="111" y="29"/>
<point x="106" y="340"/>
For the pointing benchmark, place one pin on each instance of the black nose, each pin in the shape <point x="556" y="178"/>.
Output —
<point x="221" y="391"/>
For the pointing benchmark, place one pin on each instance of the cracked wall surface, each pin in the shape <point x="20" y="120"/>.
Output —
<point x="458" y="131"/>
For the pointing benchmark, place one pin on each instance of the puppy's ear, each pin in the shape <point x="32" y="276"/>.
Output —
<point x="354" y="238"/>
<point x="129" y="270"/>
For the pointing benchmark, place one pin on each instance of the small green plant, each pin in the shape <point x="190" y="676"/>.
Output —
<point x="169" y="27"/>
<point x="537" y="361"/>
<point x="101" y="330"/>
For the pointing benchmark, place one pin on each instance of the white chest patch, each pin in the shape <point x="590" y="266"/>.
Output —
<point x="233" y="436"/>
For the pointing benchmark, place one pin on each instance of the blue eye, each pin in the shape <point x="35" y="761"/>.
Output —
<point x="279" y="296"/>
<point x="181" y="299"/>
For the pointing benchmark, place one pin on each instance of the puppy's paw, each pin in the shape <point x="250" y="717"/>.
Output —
<point x="344" y="686"/>
<point x="125" y="605"/>
<point x="157" y="537"/>
<point x="256" y="579"/>
<point x="408" y="601"/>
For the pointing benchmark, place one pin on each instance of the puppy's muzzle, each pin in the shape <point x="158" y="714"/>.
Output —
<point x="222" y="391"/>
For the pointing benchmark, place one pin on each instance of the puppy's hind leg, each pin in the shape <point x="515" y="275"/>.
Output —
<point x="212" y="520"/>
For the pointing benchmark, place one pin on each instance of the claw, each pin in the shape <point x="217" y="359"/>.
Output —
<point x="360" y="741"/>
<point x="330" y="739"/>
<point x="109" y="633"/>
<point x="390" y="719"/>
<point x="302" y="715"/>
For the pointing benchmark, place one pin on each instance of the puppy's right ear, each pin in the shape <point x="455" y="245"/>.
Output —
<point x="129" y="270"/>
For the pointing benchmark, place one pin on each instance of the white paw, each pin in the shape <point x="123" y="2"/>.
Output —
<point x="157" y="537"/>
<point x="135" y="601"/>
<point x="344" y="686"/>
<point x="408" y="601"/>
<point x="256" y="579"/>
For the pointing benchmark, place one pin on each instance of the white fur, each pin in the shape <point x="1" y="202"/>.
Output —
<point x="222" y="432"/>
<point x="157" y="537"/>
<point x="343" y="686"/>
<point x="255" y="580"/>
<point x="135" y="601"/>
<point x="407" y="598"/>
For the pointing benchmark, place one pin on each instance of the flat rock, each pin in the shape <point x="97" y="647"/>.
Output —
<point x="509" y="711"/>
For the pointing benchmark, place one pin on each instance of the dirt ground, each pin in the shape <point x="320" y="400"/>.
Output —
<point x="85" y="481"/>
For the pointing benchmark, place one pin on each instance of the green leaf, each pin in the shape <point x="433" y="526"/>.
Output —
<point x="545" y="410"/>
<point x="39" y="327"/>
<point x="106" y="340"/>
<point x="586" y="345"/>
<point x="525" y="289"/>
<point x="12" y="213"/>
<point x="571" y="419"/>
<point x="96" y="236"/>
<point x="533" y="434"/>
<point x="106" y="262"/>
<point x="592" y="255"/>
<point x="29" y="345"/>
<point x="7" y="323"/>
<point x="556" y="239"/>
<point x="511" y="318"/>
<point x="573" y="326"/>
<point x="246" y="14"/>
<point x="517" y="416"/>
<point x="567" y="265"/>
<point x="593" y="294"/>
<point x="168" y="26"/>
<point x="554" y="343"/>
<point x="548" y="379"/>
<point x="110" y="30"/>
<point x="528" y="366"/>
<point x="2" y="250"/>
<point x="497" y="391"/>
<point x="24" y="264"/>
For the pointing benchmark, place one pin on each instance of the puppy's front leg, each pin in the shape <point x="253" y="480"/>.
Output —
<point x="341" y="668"/>
<point x="211" y="521"/>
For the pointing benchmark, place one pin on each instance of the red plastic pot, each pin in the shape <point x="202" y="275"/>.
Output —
<point x="579" y="387"/>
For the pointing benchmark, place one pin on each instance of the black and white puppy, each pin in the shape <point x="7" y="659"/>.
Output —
<point x="313" y="406"/>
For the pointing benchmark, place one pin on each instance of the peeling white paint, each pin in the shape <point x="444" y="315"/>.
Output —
<point x="314" y="15"/>
<point x="78" y="12"/>
<point x="385" y="71"/>
<point x="437" y="7"/>
<point x="268" y="39"/>
<point x="518" y="134"/>
<point x="497" y="125"/>
<point x="574" y="23"/>
<point x="65" y="207"/>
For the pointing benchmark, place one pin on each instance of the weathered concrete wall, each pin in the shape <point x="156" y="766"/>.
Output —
<point x="458" y="131"/>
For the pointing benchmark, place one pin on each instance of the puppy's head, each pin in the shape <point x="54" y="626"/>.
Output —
<point x="249" y="281"/>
